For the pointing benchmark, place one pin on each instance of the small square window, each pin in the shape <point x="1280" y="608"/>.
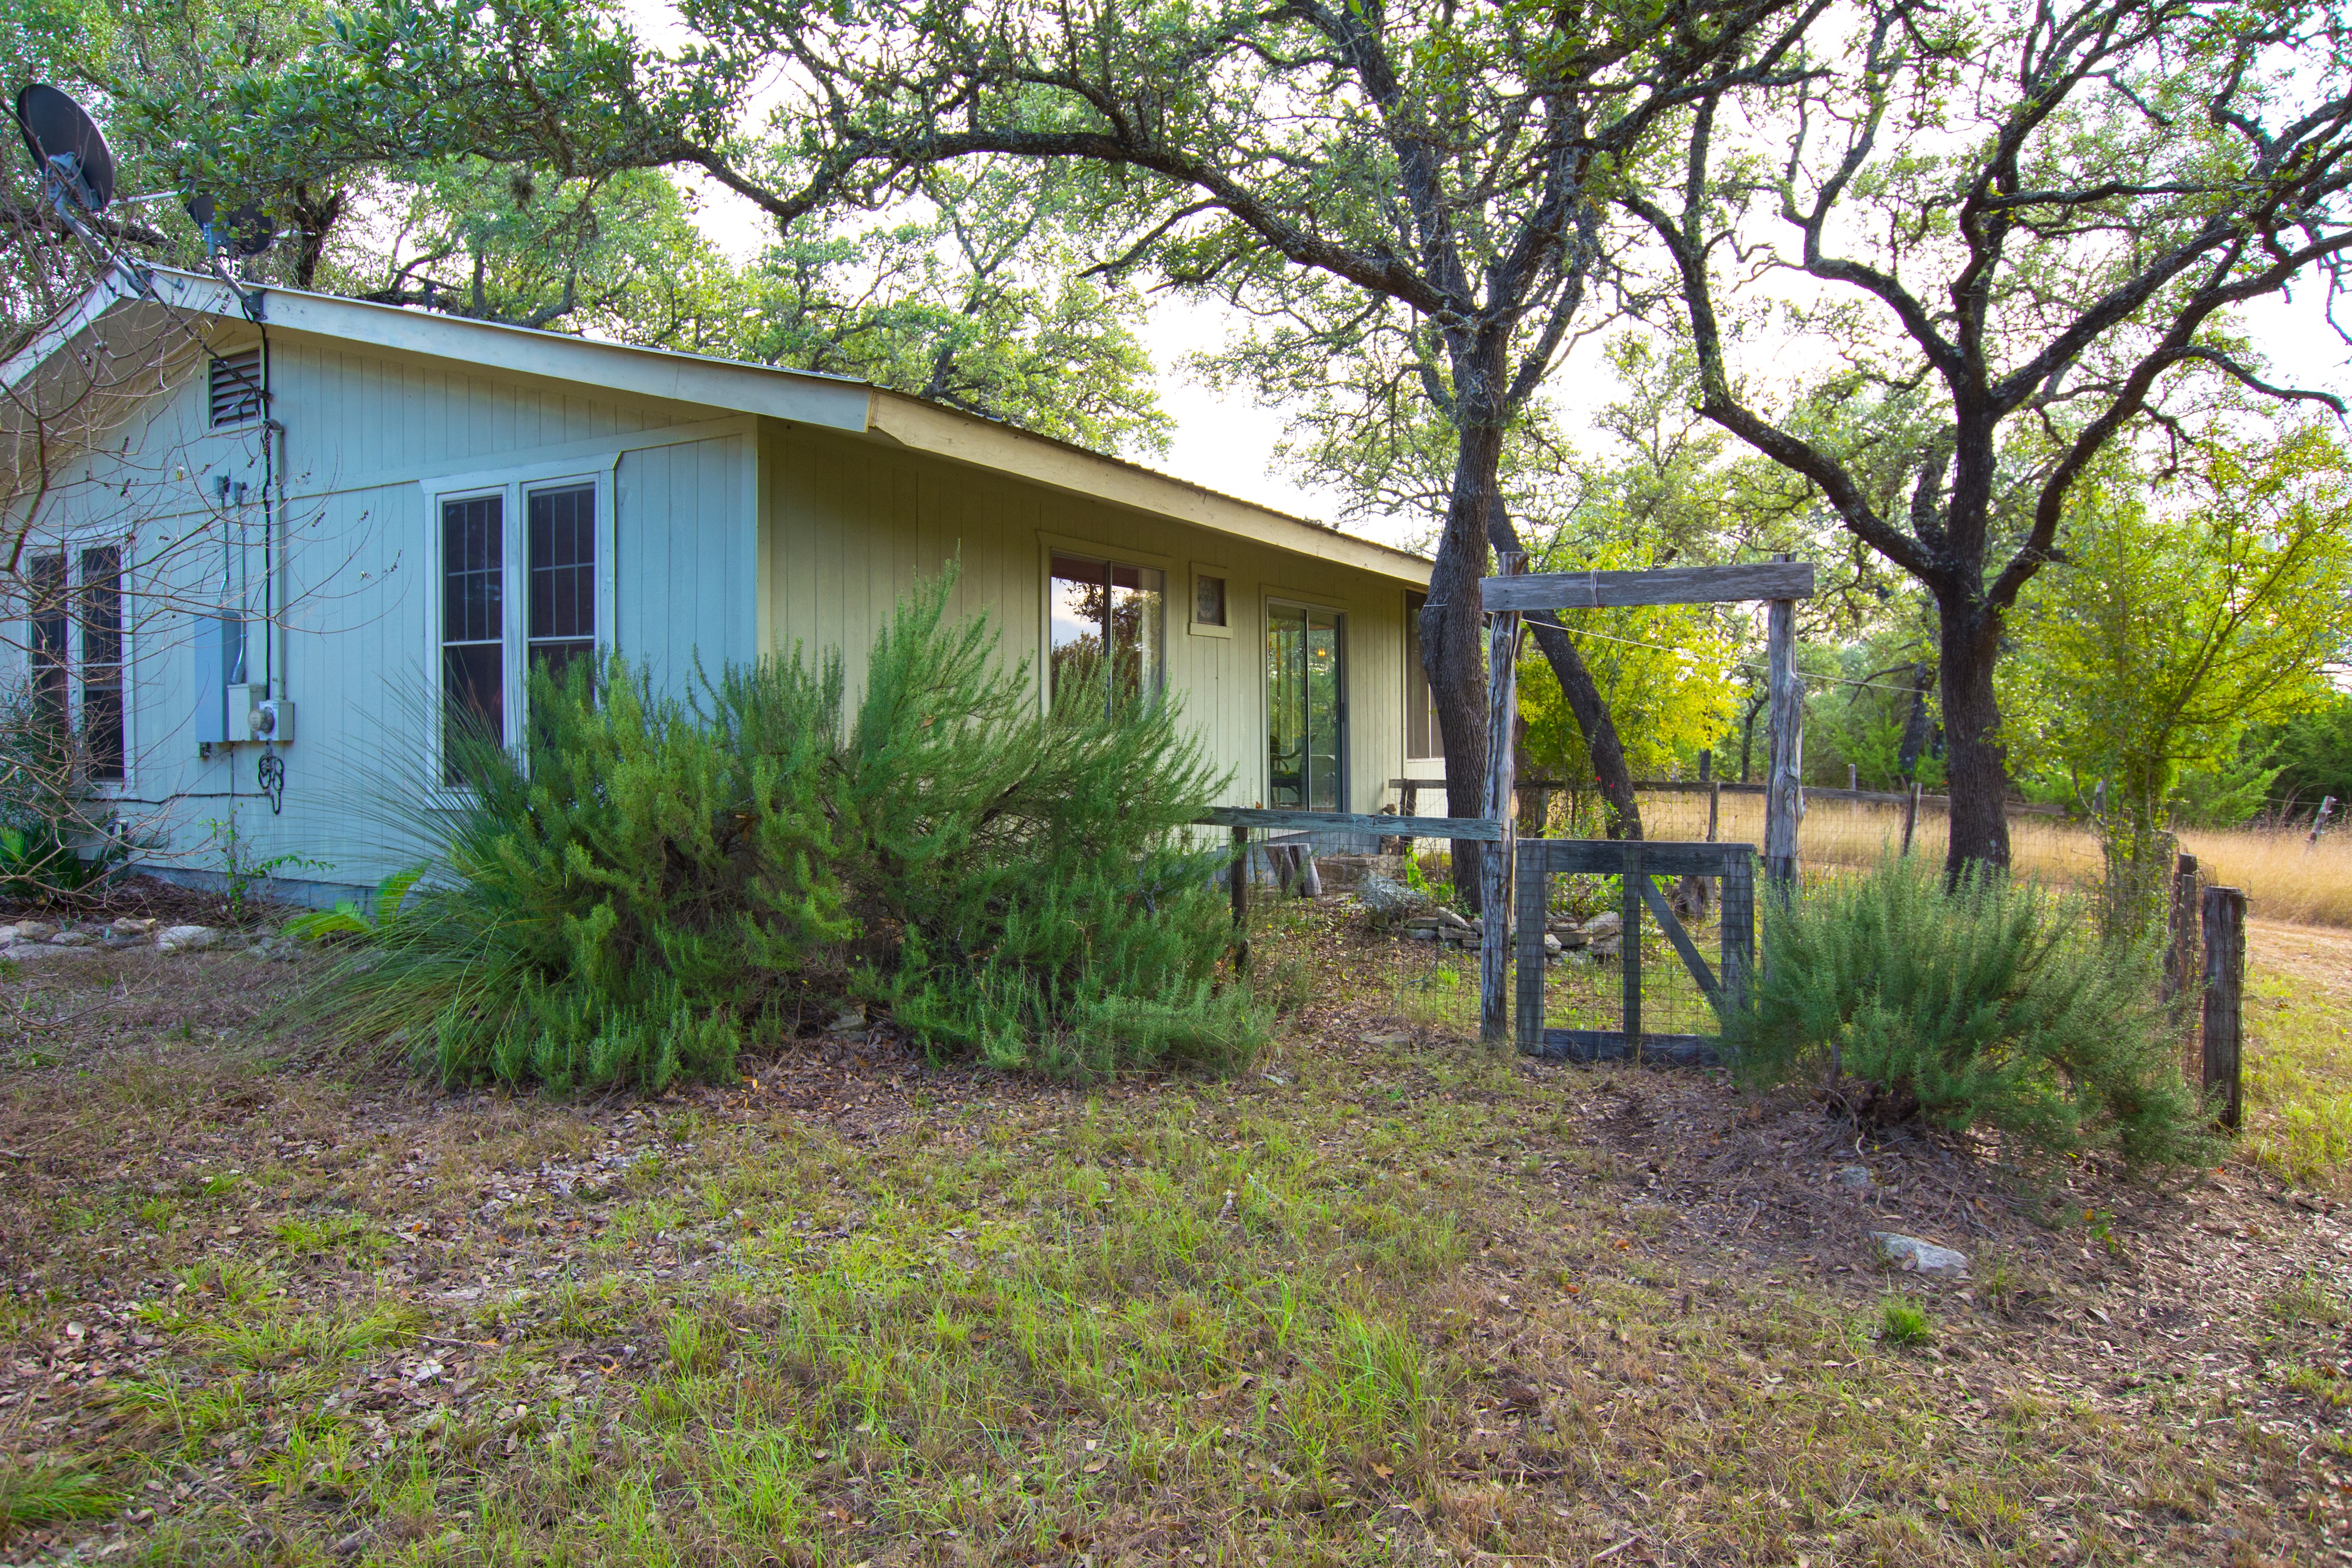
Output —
<point x="1208" y="600"/>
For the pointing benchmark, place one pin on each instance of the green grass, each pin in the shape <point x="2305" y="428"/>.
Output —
<point x="1386" y="1293"/>
<point x="1902" y="1322"/>
<point x="2297" y="1068"/>
<point x="48" y="1491"/>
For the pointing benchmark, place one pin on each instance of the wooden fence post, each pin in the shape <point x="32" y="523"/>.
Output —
<point x="1495" y="865"/>
<point x="1910" y="815"/>
<point x="1714" y="807"/>
<point x="1784" y="788"/>
<point x="2225" y="973"/>
<point x="2180" y="934"/>
<point x="1629" y="944"/>
<point x="1240" y="877"/>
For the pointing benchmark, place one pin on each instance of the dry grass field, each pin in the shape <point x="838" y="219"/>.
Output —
<point x="2285" y="878"/>
<point x="1384" y="1298"/>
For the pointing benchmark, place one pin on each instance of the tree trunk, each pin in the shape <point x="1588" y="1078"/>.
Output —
<point x="1453" y="646"/>
<point x="1975" y="761"/>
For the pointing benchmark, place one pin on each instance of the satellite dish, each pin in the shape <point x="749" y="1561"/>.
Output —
<point x="66" y="142"/>
<point x="247" y="231"/>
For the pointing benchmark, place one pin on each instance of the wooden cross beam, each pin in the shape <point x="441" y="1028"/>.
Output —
<point x="1665" y="585"/>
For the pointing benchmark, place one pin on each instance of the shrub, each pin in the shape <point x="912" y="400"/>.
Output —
<point x="58" y="836"/>
<point x="1992" y="1002"/>
<point x="662" y="876"/>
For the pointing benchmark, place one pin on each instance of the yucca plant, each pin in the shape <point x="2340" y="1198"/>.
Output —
<point x="1992" y="1002"/>
<point x="348" y="919"/>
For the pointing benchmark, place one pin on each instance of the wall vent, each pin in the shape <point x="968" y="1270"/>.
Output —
<point x="235" y="387"/>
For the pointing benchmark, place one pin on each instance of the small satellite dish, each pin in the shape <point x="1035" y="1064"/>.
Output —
<point x="247" y="231"/>
<point x="66" y="142"/>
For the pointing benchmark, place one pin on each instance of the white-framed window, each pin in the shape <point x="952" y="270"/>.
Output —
<point x="522" y="574"/>
<point x="78" y="642"/>
<point x="1101" y="608"/>
<point x="1211" y="612"/>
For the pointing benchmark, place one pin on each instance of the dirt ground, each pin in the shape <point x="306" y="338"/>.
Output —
<point x="266" y="1301"/>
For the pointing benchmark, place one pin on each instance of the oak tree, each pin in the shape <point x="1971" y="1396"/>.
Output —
<point x="2012" y="235"/>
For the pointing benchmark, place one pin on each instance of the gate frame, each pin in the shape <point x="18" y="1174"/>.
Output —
<point x="1506" y="599"/>
<point x="1639" y="862"/>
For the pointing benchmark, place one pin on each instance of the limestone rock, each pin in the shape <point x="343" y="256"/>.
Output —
<point x="1914" y="1256"/>
<point x="35" y="931"/>
<point x="1854" y="1179"/>
<point x="69" y="938"/>
<point x="132" y="926"/>
<point x="1606" y="924"/>
<point x="44" y="952"/>
<point x="1385" y="898"/>
<point x="188" y="938"/>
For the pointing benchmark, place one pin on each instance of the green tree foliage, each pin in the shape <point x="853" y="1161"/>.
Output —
<point x="2311" y="753"/>
<point x="1664" y="670"/>
<point x="115" y="57"/>
<point x="660" y="880"/>
<point x="967" y="293"/>
<point x="2188" y="608"/>
<point x="975" y="297"/>
<point x="1989" y="1003"/>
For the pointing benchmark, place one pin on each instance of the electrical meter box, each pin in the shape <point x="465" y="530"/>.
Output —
<point x="255" y="715"/>
<point x="272" y="720"/>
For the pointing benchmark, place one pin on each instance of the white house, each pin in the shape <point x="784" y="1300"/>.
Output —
<point x="240" y="511"/>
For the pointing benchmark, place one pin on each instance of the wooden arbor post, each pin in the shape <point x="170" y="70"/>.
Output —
<point x="1507" y="597"/>
<point x="1784" y="778"/>
<point x="1495" y="865"/>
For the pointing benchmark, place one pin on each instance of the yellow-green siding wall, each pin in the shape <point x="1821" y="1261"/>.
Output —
<point x="846" y="526"/>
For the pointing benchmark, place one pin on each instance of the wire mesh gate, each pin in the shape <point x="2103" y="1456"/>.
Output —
<point x="1639" y="864"/>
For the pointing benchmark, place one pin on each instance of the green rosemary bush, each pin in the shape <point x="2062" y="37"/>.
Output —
<point x="1991" y="1003"/>
<point x="665" y="879"/>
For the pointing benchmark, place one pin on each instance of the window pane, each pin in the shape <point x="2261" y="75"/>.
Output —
<point x="473" y="570"/>
<point x="1138" y="606"/>
<point x="1304" y="705"/>
<point x="101" y="661"/>
<point x="49" y="621"/>
<point x="473" y="688"/>
<point x="1286" y="707"/>
<point x="1322" y="711"/>
<point x="1208" y="600"/>
<point x="564" y="564"/>
<point x="473" y="623"/>
<point x="1079" y="603"/>
<point x="556" y="658"/>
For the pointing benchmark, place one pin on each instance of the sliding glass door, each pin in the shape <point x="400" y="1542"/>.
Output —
<point x="1307" y="708"/>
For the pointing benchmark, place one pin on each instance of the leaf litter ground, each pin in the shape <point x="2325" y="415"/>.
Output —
<point x="1384" y="1298"/>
